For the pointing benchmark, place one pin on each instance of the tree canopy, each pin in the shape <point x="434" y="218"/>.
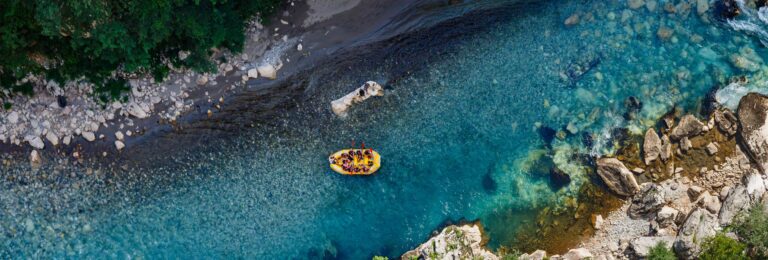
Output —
<point x="71" y="39"/>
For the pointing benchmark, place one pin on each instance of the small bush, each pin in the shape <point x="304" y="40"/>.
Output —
<point x="380" y="258"/>
<point x="661" y="252"/>
<point x="722" y="247"/>
<point x="753" y="230"/>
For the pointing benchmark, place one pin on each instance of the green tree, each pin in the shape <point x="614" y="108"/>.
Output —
<point x="90" y="39"/>
<point x="661" y="252"/>
<point x="753" y="230"/>
<point x="722" y="247"/>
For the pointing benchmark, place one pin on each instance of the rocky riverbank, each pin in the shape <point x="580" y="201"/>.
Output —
<point x="692" y="179"/>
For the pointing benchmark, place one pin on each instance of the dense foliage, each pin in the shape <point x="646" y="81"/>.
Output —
<point x="661" y="252"/>
<point x="722" y="247"/>
<point x="753" y="230"/>
<point x="69" y="39"/>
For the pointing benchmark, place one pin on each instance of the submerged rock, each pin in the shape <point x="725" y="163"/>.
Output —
<point x="689" y="126"/>
<point x="617" y="177"/>
<point x="651" y="146"/>
<point x="753" y="121"/>
<point x="727" y="8"/>
<point x="454" y="242"/>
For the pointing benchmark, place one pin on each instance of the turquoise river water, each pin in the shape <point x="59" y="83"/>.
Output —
<point x="460" y="130"/>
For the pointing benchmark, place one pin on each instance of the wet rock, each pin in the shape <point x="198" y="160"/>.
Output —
<point x="711" y="148"/>
<point x="727" y="9"/>
<point x="651" y="146"/>
<point x="689" y="126"/>
<point x="699" y="225"/>
<point x="536" y="255"/>
<point x="753" y="130"/>
<point x="576" y="254"/>
<point x="666" y="148"/>
<point x="617" y="177"/>
<point x="572" y="20"/>
<point x="648" y="201"/>
<point x="642" y="245"/>
<point x="736" y="202"/>
<point x="726" y="121"/>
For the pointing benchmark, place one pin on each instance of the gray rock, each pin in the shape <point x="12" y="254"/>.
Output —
<point x="617" y="177"/>
<point x="35" y="159"/>
<point x="755" y="186"/>
<point x="694" y="192"/>
<point x="667" y="217"/>
<point x="35" y="141"/>
<point x="651" y="146"/>
<point x="642" y="245"/>
<point x="753" y="121"/>
<point x="13" y="117"/>
<point x="576" y="254"/>
<point x="89" y="136"/>
<point x="709" y="202"/>
<point x="726" y="121"/>
<point x="648" y="201"/>
<point x="689" y="126"/>
<point x="736" y="202"/>
<point x="699" y="225"/>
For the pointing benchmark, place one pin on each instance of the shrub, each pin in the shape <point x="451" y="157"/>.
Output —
<point x="722" y="247"/>
<point x="661" y="252"/>
<point x="380" y="258"/>
<point x="73" y="39"/>
<point x="753" y="230"/>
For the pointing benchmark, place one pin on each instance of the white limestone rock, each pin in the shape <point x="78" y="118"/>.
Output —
<point x="368" y="90"/>
<point x="89" y="136"/>
<point x="35" y="141"/>
<point x="453" y="242"/>
<point x="52" y="138"/>
<point x="268" y="71"/>
<point x="253" y="73"/>
<point x="119" y="145"/>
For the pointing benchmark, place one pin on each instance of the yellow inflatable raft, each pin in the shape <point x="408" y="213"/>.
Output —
<point x="355" y="161"/>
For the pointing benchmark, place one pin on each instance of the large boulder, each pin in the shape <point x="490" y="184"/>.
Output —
<point x="736" y="202"/>
<point x="617" y="177"/>
<point x="648" y="201"/>
<point x="454" y="242"/>
<point x="688" y="126"/>
<point x="342" y="105"/>
<point x="651" y="146"/>
<point x="577" y="254"/>
<point x="755" y="186"/>
<point x="642" y="245"/>
<point x="699" y="225"/>
<point x="753" y="119"/>
<point x="726" y="121"/>
<point x="536" y="255"/>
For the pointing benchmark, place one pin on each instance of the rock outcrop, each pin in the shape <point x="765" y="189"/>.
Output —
<point x="648" y="201"/>
<point x="689" y="126"/>
<point x="642" y="245"/>
<point x="342" y="105"/>
<point x="651" y="146"/>
<point x="617" y="177"/>
<point x="699" y="225"/>
<point x="726" y="121"/>
<point x="454" y="242"/>
<point x="753" y="121"/>
<point x="736" y="202"/>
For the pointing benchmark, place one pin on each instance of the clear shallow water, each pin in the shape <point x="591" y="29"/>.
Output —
<point x="457" y="133"/>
